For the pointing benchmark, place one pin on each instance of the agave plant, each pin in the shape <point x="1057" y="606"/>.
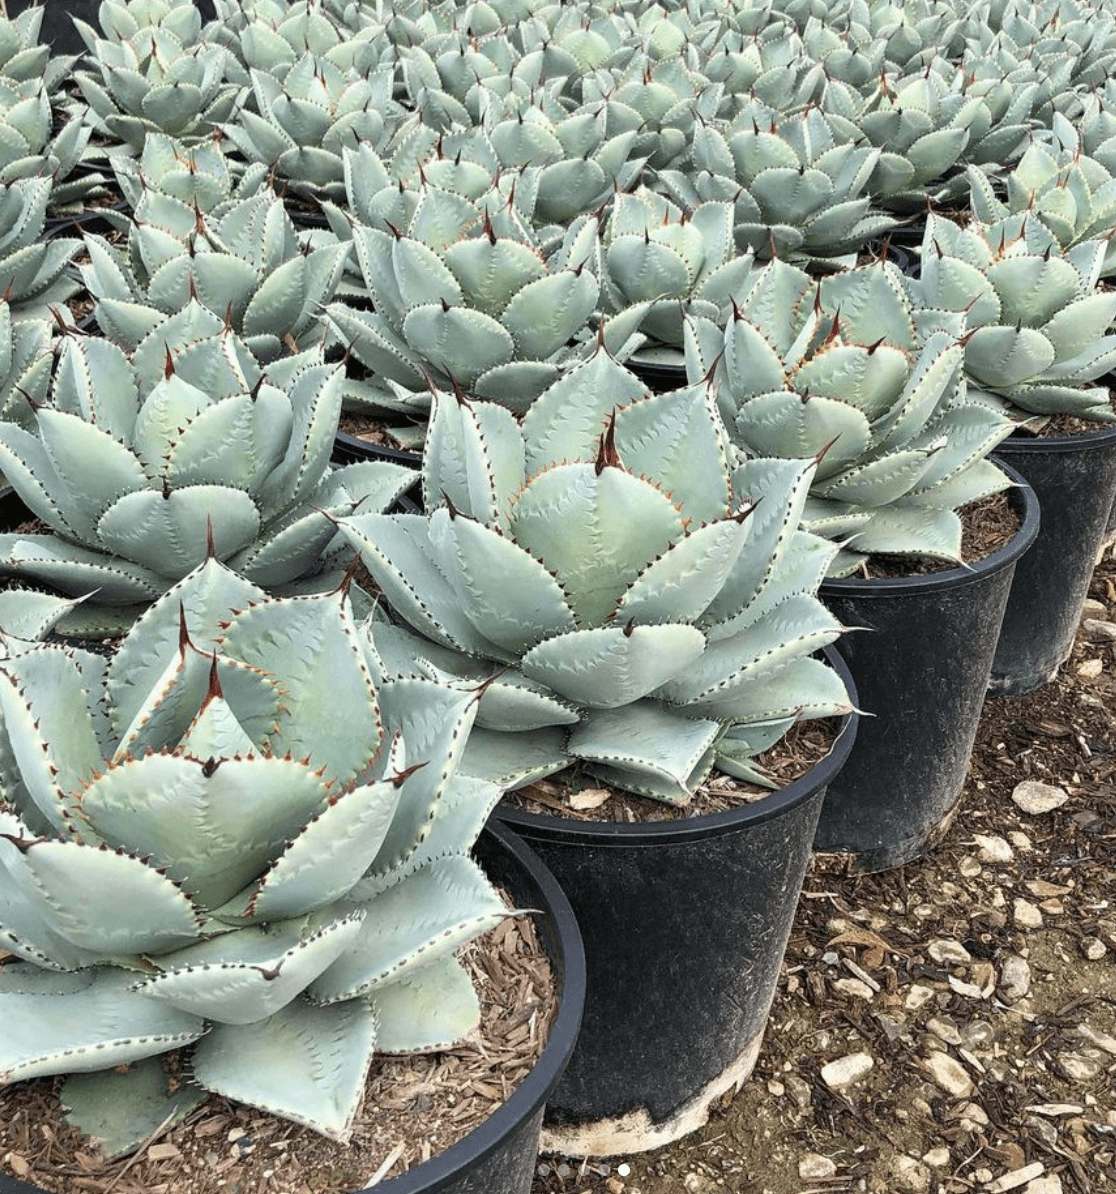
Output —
<point x="25" y="365"/>
<point x="279" y="843"/>
<point x="244" y="261"/>
<point x="1072" y="194"/>
<point x="32" y="270"/>
<point x="1039" y="323"/>
<point x="136" y="456"/>
<point x="23" y="59"/>
<point x="838" y="367"/>
<point x="463" y="293"/>
<point x="150" y="73"/>
<point x="303" y="122"/>
<point x="605" y="572"/>
<point x="30" y="148"/>
<point x="796" y="185"/>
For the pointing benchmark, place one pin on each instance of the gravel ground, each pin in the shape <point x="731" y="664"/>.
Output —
<point x="951" y="1025"/>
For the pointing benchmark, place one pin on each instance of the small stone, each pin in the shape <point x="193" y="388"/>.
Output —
<point x="1016" y="1178"/>
<point x="1036" y="798"/>
<point x="776" y="1088"/>
<point x="968" y="990"/>
<point x="1025" y="914"/>
<point x="949" y="953"/>
<point x="846" y="1070"/>
<point x="1043" y="889"/>
<point x="983" y="1174"/>
<point x="993" y="848"/>
<point x="977" y="1034"/>
<point x="1093" y="948"/>
<point x="937" y="1158"/>
<point x="814" y="1165"/>
<point x="1090" y="669"/>
<point x="1102" y="631"/>
<point x="893" y="1029"/>
<point x="984" y="976"/>
<point x="973" y="1114"/>
<point x="944" y="1029"/>
<point x="950" y="1075"/>
<point x="1043" y="1129"/>
<point x="799" y="1091"/>
<point x="1095" y="1037"/>
<point x="1015" y="977"/>
<point x="614" y="1185"/>
<point x="969" y="867"/>
<point x="1055" y="1110"/>
<point x="1078" y="1068"/>
<point x="1094" y="609"/>
<point x="909" y="1174"/>
<point x="831" y="957"/>
<point x="697" y="1183"/>
<point x="235" y="1134"/>
<point x="918" y="996"/>
<point x="1050" y="1183"/>
<point x="854" y="987"/>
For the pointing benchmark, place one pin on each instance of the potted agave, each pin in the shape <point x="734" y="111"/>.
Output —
<point x="279" y="842"/>
<point x="602" y="572"/>
<point x="843" y="365"/>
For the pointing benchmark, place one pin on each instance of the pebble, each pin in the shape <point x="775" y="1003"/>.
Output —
<point x="977" y="1034"/>
<point x="1016" y="1178"/>
<point x="1094" y="608"/>
<point x="1093" y="948"/>
<point x="1055" y="1110"/>
<point x="831" y="957"/>
<point x="918" y="996"/>
<point x="1051" y="1183"/>
<point x="846" y="1070"/>
<point x="776" y="1088"/>
<point x="893" y="1029"/>
<point x="1015" y="977"/>
<point x="1095" y="1037"/>
<point x="970" y="867"/>
<point x="1090" y="669"/>
<point x="1043" y="1129"/>
<point x="1079" y="1069"/>
<point x="944" y="1029"/>
<point x="909" y="1174"/>
<point x="937" y="1158"/>
<point x="1036" y="798"/>
<point x="854" y="987"/>
<point x="947" y="952"/>
<point x="799" y="1090"/>
<point x="949" y="1074"/>
<point x="1095" y="628"/>
<point x="1025" y="914"/>
<point x="814" y="1165"/>
<point x="993" y="848"/>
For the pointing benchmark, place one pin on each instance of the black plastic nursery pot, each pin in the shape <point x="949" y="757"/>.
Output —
<point x="921" y="666"/>
<point x="348" y="449"/>
<point x="499" y="1156"/>
<point x="1075" y="479"/>
<point x="660" y="377"/>
<point x="685" y="924"/>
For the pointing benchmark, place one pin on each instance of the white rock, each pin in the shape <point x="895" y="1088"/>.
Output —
<point x="1015" y="977"/>
<point x="1015" y="1179"/>
<point x="1093" y="948"/>
<point x="854" y="987"/>
<point x="1036" y="798"/>
<point x="1025" y="914"/>
<point x="1079" y="1069"/>
<point x="1056" y="1110"/>
<point x="1095" y="1037"/>
<point x="944" y="1030"/>
<point x="814" y="1165"/>
<point x="937" y="1158"/>
<point x="949" y="1074"/>
<point x="918" y="996"/>
<point x="1090" y="669"/>
<point x="1092" y="608"/>
<point x="846" y="1070"/>
<point x="1095" y="628"/>
<point x="993" y="848"/>
<point x="949" y="952"/>
<point x="909" y="1174"/>
<point x="1051" y="1183"/>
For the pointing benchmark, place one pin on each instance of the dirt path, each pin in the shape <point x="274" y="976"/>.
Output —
<point x="975" y="989"/>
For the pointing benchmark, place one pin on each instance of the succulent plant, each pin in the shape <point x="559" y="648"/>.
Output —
<point x="661" y="261"/>
<point x="278" y="842"/>
<point x="243" y="262"/>
<point x="23" y="59"/>
<point x="1072" y="194"/>
<point x="1039" y="325"/>
<point x="463" y="293"/>
<point x="25" y="365"/>
<point x="837" y="368"/>
<point x="303" y="122"/>
<point x="768" y="66"/>
<point x="149" y="73"/>
<point x="32" y="270"/>
<point x="796" y="185"/>
<point x="608" y="576"/>
<point x="30" y="148"/>
<point x="138" y="457"/>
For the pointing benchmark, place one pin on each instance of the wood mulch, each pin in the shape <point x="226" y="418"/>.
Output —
<point x="414" y="1105"/>
<point x="582" y="797"/>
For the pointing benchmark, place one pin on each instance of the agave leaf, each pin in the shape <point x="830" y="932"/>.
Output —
<point x="119" y="1109"/>
<point x="427" y="1010"/>
<point x="459" y="342"/>
<point x="806" y="688"/>
<point x="98" y="1026"/>
<point x="878" y="482"/>
<point x="72" y="569"/>
<point x="1000" y="356"/>
<point x="647" y="748"/>
<point x="425" y="916"/>
<point x="28" y="615"/>
<point x="1032" y="289"/>
<point x="306" y="1063"/>
<point x="912" y="530"/>
<point x="549" y="312"/>
<point x="512" y="760"/>
<point x="794" y="424"/>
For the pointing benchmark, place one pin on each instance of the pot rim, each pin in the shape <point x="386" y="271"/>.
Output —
<point x="1018" y="441"/>
<point x="361" y="448"/>
<point x="568" y="963"/>
<point x="566" y="831"/>
<point x="952" y="578"/>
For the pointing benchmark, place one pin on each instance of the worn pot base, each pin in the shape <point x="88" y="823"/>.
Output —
<point x="636" y="1132"/>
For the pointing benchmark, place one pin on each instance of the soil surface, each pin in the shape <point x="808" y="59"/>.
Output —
<point x="950" y="1025"/>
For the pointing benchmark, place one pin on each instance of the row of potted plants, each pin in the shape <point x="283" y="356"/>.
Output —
<point x="527" y="215"/>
